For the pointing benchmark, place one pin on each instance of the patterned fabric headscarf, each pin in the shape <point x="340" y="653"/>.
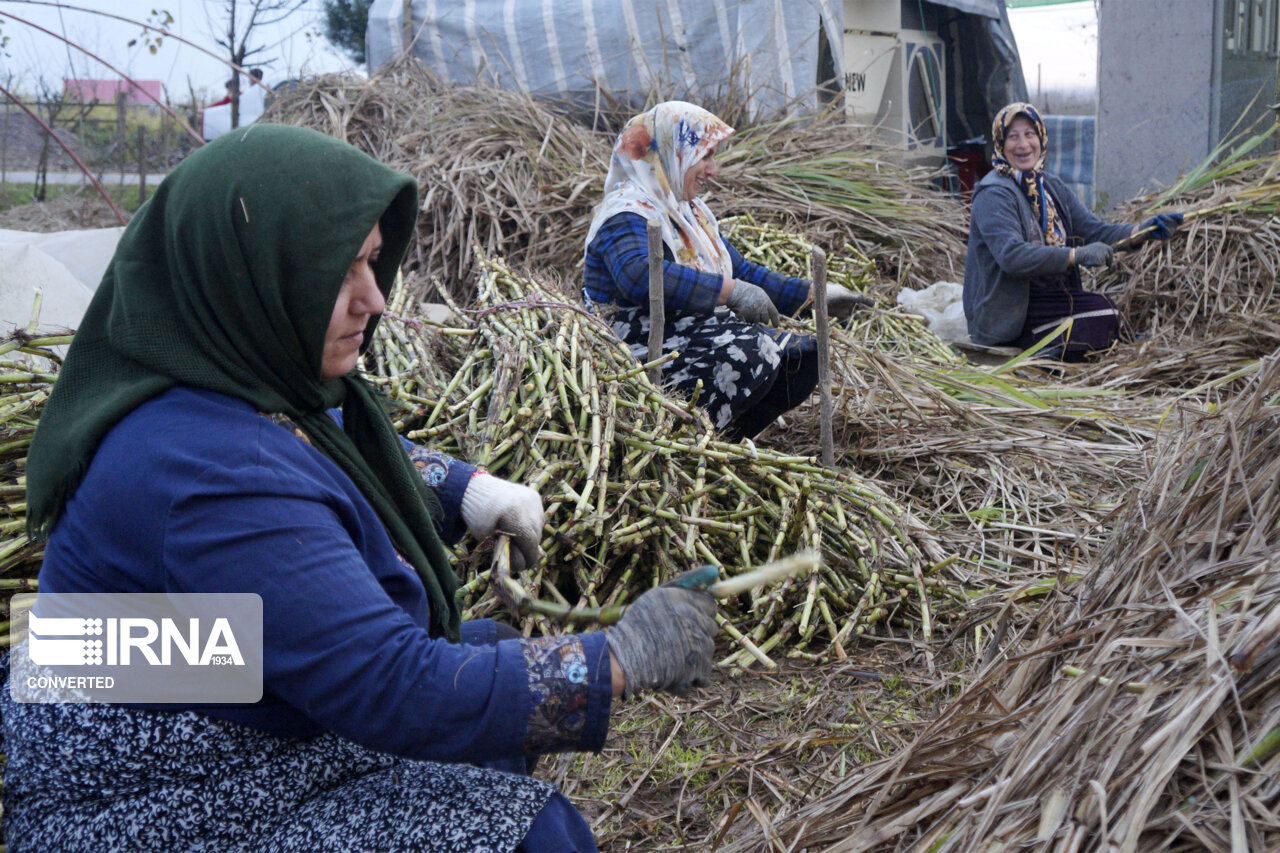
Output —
<point x="646" y="176"/>
<point x="226" y="280"/>
<point x="1031" y="182"/>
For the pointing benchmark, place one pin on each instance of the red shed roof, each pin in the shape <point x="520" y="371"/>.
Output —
<point x="105" y="91"/>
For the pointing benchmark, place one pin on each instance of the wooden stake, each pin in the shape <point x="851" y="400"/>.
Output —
<point x="824" y="357"/>
<point x="657" y="300"/>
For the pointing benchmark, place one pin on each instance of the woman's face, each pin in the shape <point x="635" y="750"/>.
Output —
<point x="698" y="175"/>
<point x="358" y="300"/>
<point x="1022" y="144"/>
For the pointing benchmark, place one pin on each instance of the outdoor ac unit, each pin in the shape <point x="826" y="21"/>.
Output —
<point x="895" y="81"/>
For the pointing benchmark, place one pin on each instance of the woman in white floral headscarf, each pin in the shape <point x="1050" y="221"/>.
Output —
<point x="718" y="305"/>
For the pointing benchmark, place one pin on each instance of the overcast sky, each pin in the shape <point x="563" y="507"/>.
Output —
<point x="293" y="47"/>
<point x="1058" y="45"/>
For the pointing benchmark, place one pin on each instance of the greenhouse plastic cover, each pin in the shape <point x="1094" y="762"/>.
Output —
<point x="686" y="49"/>
<point x="564" y="48"/>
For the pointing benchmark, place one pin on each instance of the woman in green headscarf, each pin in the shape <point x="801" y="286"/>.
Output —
<point x="209" y="433"/>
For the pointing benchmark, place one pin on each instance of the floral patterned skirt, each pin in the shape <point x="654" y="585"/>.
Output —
<point x="736" y="362"/>
<point x="105" y="777"/>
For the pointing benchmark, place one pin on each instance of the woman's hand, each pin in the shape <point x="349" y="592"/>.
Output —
<point x="842" y="302"/>
<point x="491" y="503"/>
<point x="1094" y="255"/>
<point x="665" y="641"/>
<point x="1159" y="227"/>
<point x="752" y="304"/>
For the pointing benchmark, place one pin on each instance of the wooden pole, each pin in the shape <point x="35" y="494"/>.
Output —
<point x="657" y="299"/>
<point x="142" y="164"/>
<point x="824" y="357"/>
<point x="406" y="25"/>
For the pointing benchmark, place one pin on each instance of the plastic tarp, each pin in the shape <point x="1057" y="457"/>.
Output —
<point x="65" y="265"/>
<point x="1070" y="154"/>
<point x="215" y="121"/>
<point x="565" y="49"/>
<point x="986" y="8"/>
<point x="984" y="71"/>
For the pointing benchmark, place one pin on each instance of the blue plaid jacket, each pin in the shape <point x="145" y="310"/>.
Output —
<point x="617" y="271"/>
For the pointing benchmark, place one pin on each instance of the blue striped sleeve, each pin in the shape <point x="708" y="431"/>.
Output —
<point x="617" y="270"/>
<point x="788" y="293"/>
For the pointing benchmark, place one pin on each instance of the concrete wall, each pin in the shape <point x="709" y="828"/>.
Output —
<point x="1157" y="96"/>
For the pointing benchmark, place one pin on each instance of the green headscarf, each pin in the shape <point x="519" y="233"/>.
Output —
<point x="226" y="280"/>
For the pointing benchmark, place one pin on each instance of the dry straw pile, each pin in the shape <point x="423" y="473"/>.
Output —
<point x="1145" y="713"/>
<point x="1209" y="298"/>
<point x="504" y="173"/>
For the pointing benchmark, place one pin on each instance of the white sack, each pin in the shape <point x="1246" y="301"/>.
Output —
<point x="940" y="305"/>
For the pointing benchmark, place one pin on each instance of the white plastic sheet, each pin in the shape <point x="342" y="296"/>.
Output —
<point x="940" y="305"/>
<point x="66" y="265"/>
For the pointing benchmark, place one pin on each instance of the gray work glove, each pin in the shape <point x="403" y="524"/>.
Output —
<point x="752" y="304"/>
<point x="665" y="641"/>
<point x="1095" y="255"/>
<point x="491" y="503"/>
<point x="842" y="302"/>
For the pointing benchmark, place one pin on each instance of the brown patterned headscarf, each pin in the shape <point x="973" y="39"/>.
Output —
<point x="1031" y="182"/>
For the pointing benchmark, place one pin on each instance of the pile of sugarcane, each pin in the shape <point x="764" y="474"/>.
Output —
<point x="28" y="367"/>
<point x="790" y="253"/>
<point x="637" y="485"/>
<point x="1208" y="297"/>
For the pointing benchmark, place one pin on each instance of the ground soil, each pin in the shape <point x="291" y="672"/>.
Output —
<point x="21" y="141"/>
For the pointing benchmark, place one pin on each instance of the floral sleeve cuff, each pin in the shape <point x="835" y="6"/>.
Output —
<point x="571" y="688"/>
<point x="448" y="478"/>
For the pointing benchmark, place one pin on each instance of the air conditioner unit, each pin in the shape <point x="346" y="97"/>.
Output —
<point x="895" y="80"/>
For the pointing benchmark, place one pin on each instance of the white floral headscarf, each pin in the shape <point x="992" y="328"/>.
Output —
<point x="646" y="176"/>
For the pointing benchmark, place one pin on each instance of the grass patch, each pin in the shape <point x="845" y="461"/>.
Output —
<point x="13" y="194"/>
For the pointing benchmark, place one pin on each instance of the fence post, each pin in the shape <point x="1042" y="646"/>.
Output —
<point x="142" y="164"/>
<point x="407" y="30"/>
<point x="120" y="116"/>
<point x="4" y="151"/>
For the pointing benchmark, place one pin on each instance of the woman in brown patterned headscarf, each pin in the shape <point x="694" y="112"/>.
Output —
<point x="1028" y="237"/>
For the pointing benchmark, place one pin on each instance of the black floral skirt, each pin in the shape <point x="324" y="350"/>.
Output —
<point x="737" y="363"/>
<point x="105" y="777"/>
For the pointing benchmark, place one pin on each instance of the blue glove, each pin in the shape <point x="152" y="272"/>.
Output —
<point x="1164" y="224"/>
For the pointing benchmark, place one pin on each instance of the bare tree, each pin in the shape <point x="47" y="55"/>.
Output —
<point x="240" y="19"/>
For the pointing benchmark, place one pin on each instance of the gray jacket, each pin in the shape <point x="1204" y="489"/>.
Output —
<point x="1007" y="250"/>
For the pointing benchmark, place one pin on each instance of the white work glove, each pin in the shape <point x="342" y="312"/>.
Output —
<point x="842" y="302"/>
<point x="752" y="304"/>
<point x="491" y="503"/>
